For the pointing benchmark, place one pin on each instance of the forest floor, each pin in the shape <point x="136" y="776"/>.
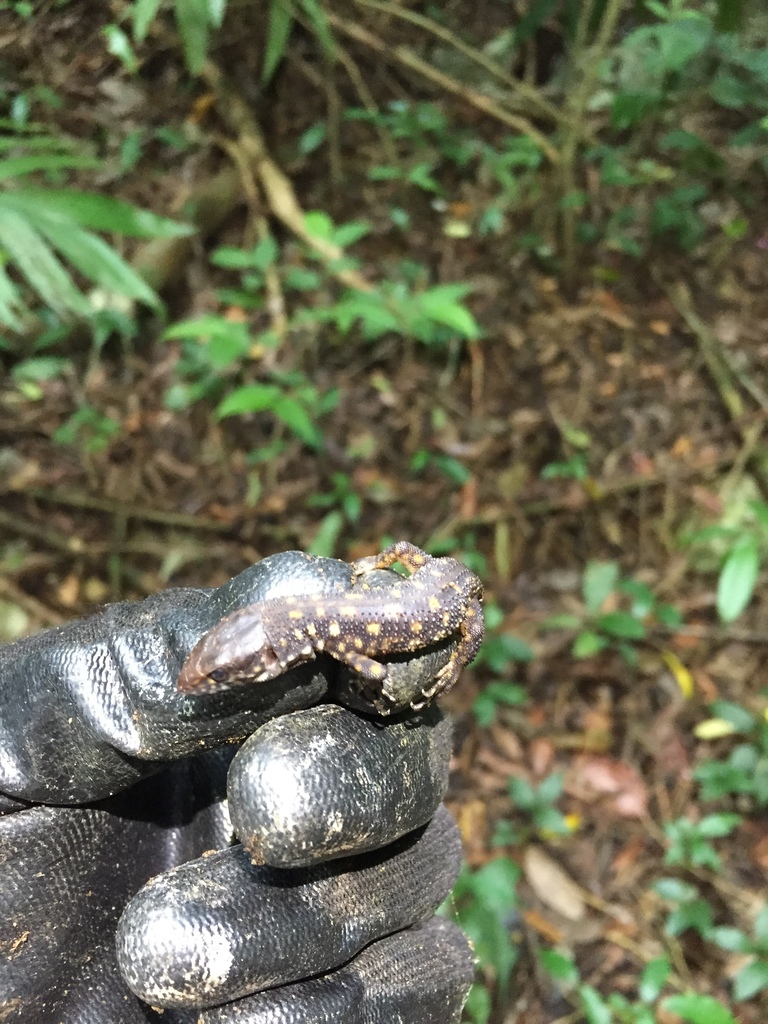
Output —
<point x="624" y="369"/>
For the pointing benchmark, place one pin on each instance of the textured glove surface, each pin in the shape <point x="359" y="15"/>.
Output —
<point x="91" y="709"/>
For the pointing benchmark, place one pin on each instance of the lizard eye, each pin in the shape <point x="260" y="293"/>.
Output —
<point x="218" y="675"/>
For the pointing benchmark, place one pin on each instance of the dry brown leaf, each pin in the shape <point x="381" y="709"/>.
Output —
<point x="552" y="884"/>
<point x="594" y="776"/>
<point x="542" y="754"/>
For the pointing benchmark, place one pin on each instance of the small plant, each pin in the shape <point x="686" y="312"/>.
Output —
<point x="599" y="630"/>
<point x="484" y="903"/>
<point x="575" y="467"/>
<point x="615" y="1008"/>
<point x="428" y="144"/>
<point x="740" y="540"/>
<point x="744" y="771"/>
<point x="536" y="804"/>
<point x="689" y="841"/>
<point x="692" y="911"/>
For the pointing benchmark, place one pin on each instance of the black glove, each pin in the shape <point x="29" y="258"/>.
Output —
<point x="340" y="813"/>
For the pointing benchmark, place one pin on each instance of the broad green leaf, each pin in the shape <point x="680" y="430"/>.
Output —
<point x="10" y="302"/>
<point x="193" y="20"/>
<point x="495" y="885"/>
<point x="95" y="259"/>
<point x="737" y="579"/>
<point x="713" y="826"/>
<point x="558" y="966"/>
<point x="478" y="1005"/>
<point x="296" y="416"/>
<point x="732" y="939"/>
<point x="324" y="541"/>
<point x="100" y="213"/>
<point x="588" y="643"/>
<point x="20" y="165"/>
<point x="49" y="142"/>
<point x="279" y="25"/>
<point x="740" y="717"/>
<point x="698" y="1009"/>
<point x="143" y="13"/>
<point x="34" y="259"/>
<point x="600" y="579"/>
<point x="313" y="9"/>
<point x="596" y="1010"/>
<point x="622" y="625"/>
<point x="563" y="621"/>
<point x="250" y="398"/>
<point x="441" y="304"/>
<point x="654" y="978"/>
<point x="750" y="980"/>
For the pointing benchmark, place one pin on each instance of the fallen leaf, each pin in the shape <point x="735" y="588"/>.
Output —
<point x="683" y="677"/>
<point x="595" y="776"/>
<point x="553" y="885"/>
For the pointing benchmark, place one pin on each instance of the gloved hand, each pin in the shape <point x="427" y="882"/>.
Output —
<point x="109" y="777"/>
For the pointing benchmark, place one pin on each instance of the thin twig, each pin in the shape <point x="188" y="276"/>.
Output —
<point x="476" y="99"/>
<point x="116" y="507"/>
<point x="30" y="604"/>
<point x="515" y="85"/>
<point x="587" y="62"/>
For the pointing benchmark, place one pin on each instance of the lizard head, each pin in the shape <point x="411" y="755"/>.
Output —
<point x="234" y="652"/>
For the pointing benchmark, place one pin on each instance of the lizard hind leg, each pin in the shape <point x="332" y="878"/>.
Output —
<point x="367" y="667"/>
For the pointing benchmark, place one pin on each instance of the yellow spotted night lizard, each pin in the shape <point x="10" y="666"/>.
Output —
<point x="259" y="642"/>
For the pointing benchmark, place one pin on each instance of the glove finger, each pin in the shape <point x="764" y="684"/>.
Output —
<point x="418" y="976"/>
<point x="323" y="783"/>
<point x="220" y="928"/>
<point x="67" y="872"/>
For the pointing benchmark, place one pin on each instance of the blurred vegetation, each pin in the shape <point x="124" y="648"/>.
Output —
<point x="620" y="130"/>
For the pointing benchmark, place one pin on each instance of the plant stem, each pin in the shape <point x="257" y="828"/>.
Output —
<point x="585" y="61"/>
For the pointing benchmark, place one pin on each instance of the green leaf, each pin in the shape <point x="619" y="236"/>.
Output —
<point x="596" y="1010"/>
<point x="296" y="416"/>
<point x="495" y="885"/>
<point x="732" y="939"/>
<point x="558" y="966"/>
<point x="279" y="27"/>
<point x="37" y="263"/>
<point x="324" y="542"/>
<point x="478" y="1005"/>
<point x="441" y="304"/>
<point x="319" y="22"/>
<point x="348" y="234"/>
<point x="714" y="826"/>
<point x="143" y="13"/>
<point x="653" y="979"/>
<point x="750" y="980"/>
<point x="740" y="718"/>
<point x="313" y="138"/>
<point x="588" y="643"/>
<point x="20" y="165"/>
<point x="250" y="398"/>
<point x="622" y="625"/>
<point x="11" y="302"/>
<point x="600" y="580"/>
<point x="193" y="20"/>
<point x="94" y="258"/>
<point x="563" y="621"/>
<point x="737" y="579"/>
<point x="674" y="890"/>
<point x="100" y="213"/>
<point x="698" y="1009"/>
